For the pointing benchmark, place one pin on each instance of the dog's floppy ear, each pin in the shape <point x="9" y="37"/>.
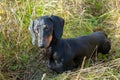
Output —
<point x="31" y="29"/>
<point x="58" y="24"/>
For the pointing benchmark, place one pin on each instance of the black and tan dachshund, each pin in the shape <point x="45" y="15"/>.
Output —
<point x="65" y="54"/>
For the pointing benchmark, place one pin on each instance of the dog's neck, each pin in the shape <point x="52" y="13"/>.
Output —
<point x="53" y="42"/>
<point x="49" y="50"/>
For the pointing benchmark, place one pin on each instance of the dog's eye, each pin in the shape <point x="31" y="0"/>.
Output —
<point x="46" y="28"/>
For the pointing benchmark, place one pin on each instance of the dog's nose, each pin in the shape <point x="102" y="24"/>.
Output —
<point x="41" y="45"/>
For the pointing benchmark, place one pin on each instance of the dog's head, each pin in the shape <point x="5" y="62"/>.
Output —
<point x="46" y="28"/>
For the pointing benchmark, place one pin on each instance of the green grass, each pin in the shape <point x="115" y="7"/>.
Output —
<point x="20" y="59"/>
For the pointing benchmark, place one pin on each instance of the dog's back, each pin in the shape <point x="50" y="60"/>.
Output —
<point x="86" y="45"/>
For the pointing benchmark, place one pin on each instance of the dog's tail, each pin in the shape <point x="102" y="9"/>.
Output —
<point x="105" y="47"/>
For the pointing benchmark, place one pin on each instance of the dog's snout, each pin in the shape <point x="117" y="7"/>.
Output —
<point x="41" y="44"/>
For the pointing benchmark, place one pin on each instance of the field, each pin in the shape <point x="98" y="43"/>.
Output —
<point x="20" y="60"/>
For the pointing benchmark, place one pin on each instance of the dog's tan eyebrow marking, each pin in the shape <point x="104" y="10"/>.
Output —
<point x="44" y="26"/>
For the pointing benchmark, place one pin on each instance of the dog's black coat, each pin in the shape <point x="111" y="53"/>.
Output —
<point x="66" y="54"/>
<point x="70" y="52"/>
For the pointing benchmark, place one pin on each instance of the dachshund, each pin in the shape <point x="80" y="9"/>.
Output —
<point x="65" y="54"/>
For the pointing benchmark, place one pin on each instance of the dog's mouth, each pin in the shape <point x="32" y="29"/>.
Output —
<point x="45" y="42"/>
<point x="43" y="46"/>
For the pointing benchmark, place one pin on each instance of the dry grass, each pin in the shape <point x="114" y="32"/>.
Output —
<point x="19" y="60"/>
<point x="108" y="70"/>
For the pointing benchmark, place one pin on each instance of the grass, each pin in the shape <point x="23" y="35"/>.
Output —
<point x="19" y="59"/>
